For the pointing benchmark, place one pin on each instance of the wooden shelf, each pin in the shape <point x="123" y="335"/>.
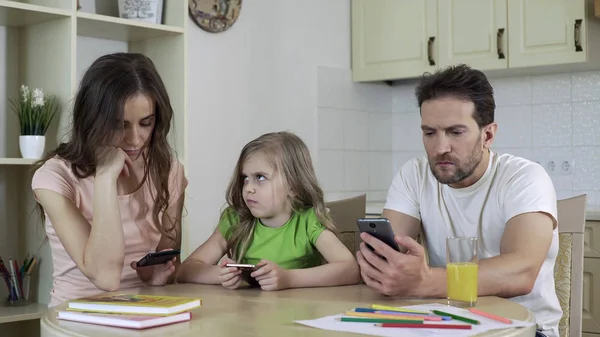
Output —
<point x="48" y="44"/>
<point x="22" y="313"/>
<point x="16" y="161"/>
<point x="17" y="14"/>
<point x="113" y="28"/>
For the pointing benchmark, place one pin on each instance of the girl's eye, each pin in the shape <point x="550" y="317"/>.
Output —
<point x="245" y="179"/>
<point x="260" y="177"/>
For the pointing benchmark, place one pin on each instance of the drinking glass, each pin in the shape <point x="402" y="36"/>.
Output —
<point x="461" y="271"/>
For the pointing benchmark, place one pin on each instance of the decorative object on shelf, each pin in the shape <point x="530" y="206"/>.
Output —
<point x="35" y="112"/>
<point x="78" y="5"/>
<point x="214" y="16"/>
<point x="141" y="10"/>
<point x="17" y="279"/>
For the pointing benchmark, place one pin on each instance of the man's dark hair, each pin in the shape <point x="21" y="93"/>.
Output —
<point x="462" y="82"/>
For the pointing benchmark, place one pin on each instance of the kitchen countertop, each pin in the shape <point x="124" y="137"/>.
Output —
<point x="592" y="215"/>
<point x="376" y="207"/>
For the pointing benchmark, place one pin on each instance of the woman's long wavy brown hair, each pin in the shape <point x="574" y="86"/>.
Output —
<point x="98" y="120"/>
<point x="291" y="160"/>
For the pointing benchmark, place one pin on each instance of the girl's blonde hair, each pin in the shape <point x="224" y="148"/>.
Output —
<point x="291" y="160"/>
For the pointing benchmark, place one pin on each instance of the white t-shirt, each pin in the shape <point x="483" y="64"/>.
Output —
<point x="509" y="187"/>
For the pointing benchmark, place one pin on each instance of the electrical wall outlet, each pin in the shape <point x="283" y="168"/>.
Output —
<point x="558" y="165"/>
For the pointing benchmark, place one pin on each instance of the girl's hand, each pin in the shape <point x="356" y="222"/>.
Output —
<point x="113" y="161"/>
<point x="270" y="276"/>
<point x="230" y="277"/>
<point x="156" y="275"/>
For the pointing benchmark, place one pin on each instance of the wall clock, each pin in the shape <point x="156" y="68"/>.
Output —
<point x="214" y="16"/>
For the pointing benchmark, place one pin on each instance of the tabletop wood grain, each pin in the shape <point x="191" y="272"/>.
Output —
<point x="252" y="312"/>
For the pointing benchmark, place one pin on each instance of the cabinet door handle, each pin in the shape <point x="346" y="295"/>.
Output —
<point x="499" y="43"/>
<point x="577" y="33"/>
<point x="430" y="50"/>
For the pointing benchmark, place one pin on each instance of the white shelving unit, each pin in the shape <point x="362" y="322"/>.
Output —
<point x="41" y="40"/>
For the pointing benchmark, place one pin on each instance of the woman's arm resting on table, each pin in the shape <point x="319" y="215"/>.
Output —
<point x="200" y="266"/>
<point x="98" y="250"/>
<point x="341" y="267"/>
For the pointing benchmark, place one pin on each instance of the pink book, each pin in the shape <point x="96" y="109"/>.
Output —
<point x="123" y="321"/>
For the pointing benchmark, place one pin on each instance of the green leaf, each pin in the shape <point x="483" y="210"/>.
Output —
<point x="34" y="120"/>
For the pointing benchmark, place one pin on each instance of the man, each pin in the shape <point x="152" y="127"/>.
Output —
<point x="461" y="188"/>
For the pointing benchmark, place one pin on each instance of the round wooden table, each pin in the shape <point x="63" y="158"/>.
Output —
<point x="252" y="312"/>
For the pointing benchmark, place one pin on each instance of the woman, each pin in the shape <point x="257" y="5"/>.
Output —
<point x="114" y="192"/>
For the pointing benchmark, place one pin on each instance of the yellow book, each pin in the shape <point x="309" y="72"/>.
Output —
<point x="135" y="304"/>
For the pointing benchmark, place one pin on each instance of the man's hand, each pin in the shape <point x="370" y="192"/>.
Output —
<point x="390" y="272"/>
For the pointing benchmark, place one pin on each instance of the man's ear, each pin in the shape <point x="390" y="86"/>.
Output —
<point x="489" y="133"/>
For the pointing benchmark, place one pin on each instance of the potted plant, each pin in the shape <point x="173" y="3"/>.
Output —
<point x="35" y="112"/>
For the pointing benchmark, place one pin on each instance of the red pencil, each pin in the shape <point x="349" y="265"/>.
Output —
<point x="491" y="316"/>
<point x="425" y="326"/>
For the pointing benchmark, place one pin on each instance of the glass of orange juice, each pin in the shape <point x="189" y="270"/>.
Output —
<point x="461" y="271"/>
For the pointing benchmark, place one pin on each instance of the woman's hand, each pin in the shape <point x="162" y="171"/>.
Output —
<point x="230" y="277"/>
<point x="270" y="276"/>
<point x="155" y="275"/>
<point x="113" y="161"/>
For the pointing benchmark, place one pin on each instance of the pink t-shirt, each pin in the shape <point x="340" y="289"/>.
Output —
<point x="141" y="236"/>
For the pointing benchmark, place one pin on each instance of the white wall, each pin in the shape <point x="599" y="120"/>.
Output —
<point x="355" y="136"/>
<point x="257" y="77"/>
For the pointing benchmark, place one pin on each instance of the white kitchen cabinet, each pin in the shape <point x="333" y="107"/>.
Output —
<point x="399" y="39"/>
<point x="544" y="32"/>
<point x="472" y="32"/>
<point x="591" y="274"/>
<point x="392" y="38"/>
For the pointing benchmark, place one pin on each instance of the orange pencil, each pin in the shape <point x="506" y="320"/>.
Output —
<point x="488" y="315"/>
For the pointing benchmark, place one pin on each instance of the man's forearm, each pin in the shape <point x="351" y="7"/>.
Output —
<point x="505" y="276"/>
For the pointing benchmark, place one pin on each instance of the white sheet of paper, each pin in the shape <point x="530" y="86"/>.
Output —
<point x="486" y="324"/>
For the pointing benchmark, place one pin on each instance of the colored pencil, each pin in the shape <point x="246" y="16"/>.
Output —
<point x="456" y="317"/>
<point x="376" y="320"/>
<point x="13" y="276"/>
<point x="5" y="275"/>
<point x="425" y="326"/>
<point x="427" y="317"/>
<point x="371" y="315"/>
<point x="490" y="316"/>
<point x="389" y="308"/>
<point x="391" y="312"/>
<point x="30" y="266"/>
<point x="19" y="278"/>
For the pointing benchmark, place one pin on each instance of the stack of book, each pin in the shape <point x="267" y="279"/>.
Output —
<point x="130" y="311"/>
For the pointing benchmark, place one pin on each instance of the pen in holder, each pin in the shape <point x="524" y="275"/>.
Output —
<point x="17" y="280"/>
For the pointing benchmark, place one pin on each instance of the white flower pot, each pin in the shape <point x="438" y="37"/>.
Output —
<point x="32" y="147"/>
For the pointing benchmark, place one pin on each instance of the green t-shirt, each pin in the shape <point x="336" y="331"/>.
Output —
<point x="291" y="246"/>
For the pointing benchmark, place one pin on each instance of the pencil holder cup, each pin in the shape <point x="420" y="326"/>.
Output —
<point x="17" y="288"/>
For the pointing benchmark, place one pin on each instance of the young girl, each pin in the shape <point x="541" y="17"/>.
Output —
<point x="114" y="191"/>
<point x="277" y="221"/>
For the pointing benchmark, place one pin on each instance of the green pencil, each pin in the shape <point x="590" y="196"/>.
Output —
<point x="377" y="320"/>
<point x="456" y="317"/>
